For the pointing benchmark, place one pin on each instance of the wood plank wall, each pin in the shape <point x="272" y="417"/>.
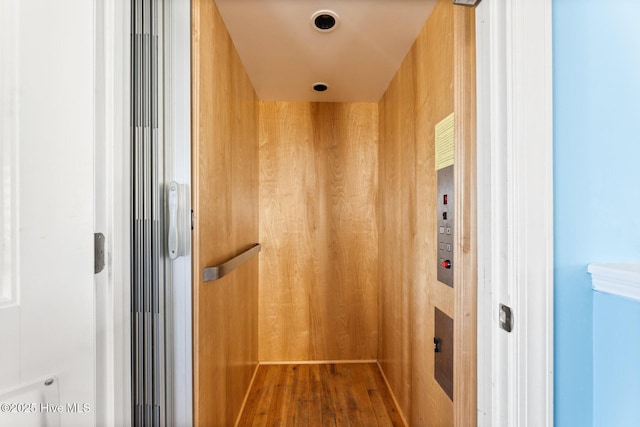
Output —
<point x="421" y="94"/>
<point x="225" y="200"/>
<point x="318" y="267"/>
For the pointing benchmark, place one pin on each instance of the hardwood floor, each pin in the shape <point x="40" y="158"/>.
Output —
<point x="320" y="395"/>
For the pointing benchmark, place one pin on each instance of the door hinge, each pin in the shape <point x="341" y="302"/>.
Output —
<point x="98" y="252"/>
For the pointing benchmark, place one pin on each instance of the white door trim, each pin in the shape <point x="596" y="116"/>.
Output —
<point x="515" y="212"/>
<point x="112" y="211"/>
<point x="176" y="46"/>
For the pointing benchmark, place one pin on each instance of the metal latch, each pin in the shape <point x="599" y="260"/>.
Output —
<point x="437" y="345"/>
<point x="506" y="318"/>
<point x="98" y="252"/>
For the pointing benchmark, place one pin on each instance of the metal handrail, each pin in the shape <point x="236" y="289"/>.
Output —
<point x="219" y="271"/>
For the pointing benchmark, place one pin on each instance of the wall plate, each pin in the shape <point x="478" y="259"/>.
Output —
<point x="443" y="348"/>
<point x="445" y="226"/>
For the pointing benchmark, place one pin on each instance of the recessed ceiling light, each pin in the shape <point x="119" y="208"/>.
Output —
<point x="324" y="20"/>
<point x="320" y="87"/>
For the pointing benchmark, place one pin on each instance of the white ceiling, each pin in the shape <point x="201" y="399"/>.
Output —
<point x="285" y="55"/>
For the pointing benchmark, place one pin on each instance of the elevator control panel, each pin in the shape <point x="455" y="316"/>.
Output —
<point x="446" y="200"/>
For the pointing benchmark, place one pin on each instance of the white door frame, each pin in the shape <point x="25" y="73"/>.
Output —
<point x="515" y="212"/>
<point x="112" y="211"/>
<point x="177" y="132"/>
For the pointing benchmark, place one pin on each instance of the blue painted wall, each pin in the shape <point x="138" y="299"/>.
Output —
<point x="616" y="361"/>
<point x="597" y="189"/>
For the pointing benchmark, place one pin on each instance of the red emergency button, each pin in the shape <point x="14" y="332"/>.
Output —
<point x="446" y="263"/>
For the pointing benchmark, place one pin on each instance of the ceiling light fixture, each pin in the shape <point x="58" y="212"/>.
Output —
<point x="324" y="20"/>
<point x="320" y="87"/>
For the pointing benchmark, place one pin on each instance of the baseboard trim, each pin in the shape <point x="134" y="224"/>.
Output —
<point x="393" y="396"/>
<point x="246" y="395"/>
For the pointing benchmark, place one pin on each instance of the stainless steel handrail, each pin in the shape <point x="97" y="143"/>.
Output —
<point x="219" y="271"/>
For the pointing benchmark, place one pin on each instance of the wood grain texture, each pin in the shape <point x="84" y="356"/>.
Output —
<point x="225" y="201"/>
<point x="320" y="395"/>
<point x="318" y="266"/>
<point x="466" y="298"/>
<point x="421" y="94"/>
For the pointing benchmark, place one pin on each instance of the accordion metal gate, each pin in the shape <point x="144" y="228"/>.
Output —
<point x="147" y="281"/>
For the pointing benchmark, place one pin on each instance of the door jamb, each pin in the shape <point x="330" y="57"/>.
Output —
<point x="515" y="211"/>
<point x="112" y="211"/>
<point x="177" y="133"/>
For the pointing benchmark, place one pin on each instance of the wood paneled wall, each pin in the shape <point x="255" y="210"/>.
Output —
<point x="425" y="90"/>
<point x="343" y="199"/>
<point x="225" y="201"/>
<point x="318" y="267"/>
